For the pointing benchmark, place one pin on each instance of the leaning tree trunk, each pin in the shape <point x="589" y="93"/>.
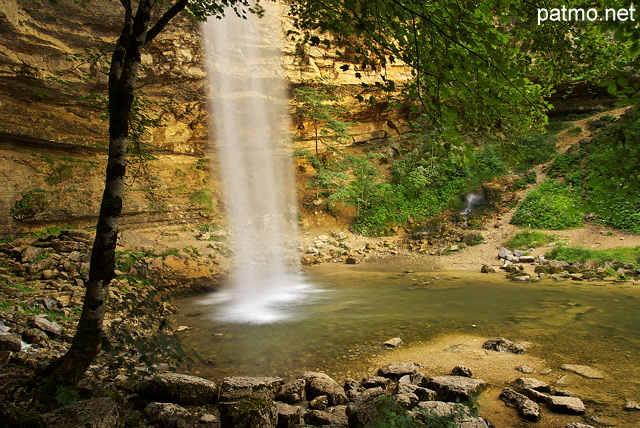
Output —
<point x="86" y="344"/>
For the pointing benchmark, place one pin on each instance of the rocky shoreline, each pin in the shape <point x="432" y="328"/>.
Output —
<point x="522" y="266"/>
<point x="43" y="285"/>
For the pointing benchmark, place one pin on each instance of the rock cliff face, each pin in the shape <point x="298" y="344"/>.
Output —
<point x="53" y="140"/>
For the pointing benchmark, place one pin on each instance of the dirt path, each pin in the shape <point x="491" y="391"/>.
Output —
<point x="499" y="230"/>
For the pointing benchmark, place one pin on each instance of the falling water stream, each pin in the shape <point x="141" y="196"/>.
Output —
<point x="250" y="123"/>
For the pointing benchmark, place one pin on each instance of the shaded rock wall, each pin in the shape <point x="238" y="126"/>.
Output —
<point x="52" y="141"/>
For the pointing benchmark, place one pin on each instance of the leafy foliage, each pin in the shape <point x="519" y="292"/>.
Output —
<point x="529" y="239"/>
<point x="553" y="205"/>
<point x="393" y="415"/>
<point x="613" y="174"/>
<point x="579" y="254"/>
<point x="469" y="64"/>
<point x="30" y="204"/>
<point x="605" y="170"/>
<point x="203" y="200"/>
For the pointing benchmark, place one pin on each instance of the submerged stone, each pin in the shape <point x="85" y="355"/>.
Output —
<point x="584" y="371"/>
<point x="500" y="344"/>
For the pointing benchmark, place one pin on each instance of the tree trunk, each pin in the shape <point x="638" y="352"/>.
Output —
<point x="87" y="341"/>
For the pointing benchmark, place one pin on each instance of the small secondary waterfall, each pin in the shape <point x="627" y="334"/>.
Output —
<point x="249" y="109"/>
<point x="471" y="201"/>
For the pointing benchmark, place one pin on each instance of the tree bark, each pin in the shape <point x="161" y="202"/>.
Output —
<point x="69" y="368"/>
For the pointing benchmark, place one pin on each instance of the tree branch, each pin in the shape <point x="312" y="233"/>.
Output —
<point x="164" y="19"/>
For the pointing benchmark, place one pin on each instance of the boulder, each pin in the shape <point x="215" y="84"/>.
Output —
<point x="52" y="328"/>
<point x="288" y="415"/>
<point x="321" y="384"/>
<point x="406" y="399"/>
<point x="487" y="269"/>
<point x="546" y="269"/>
<point x="393" y="343"/>
<point x="292" y="392"/>
<point x="500" y="344"/>
<point x="631" y="406"/>
<point x="504" y="254"/>
<point x="376" y="382"/>
<point x="567" y="405"/>
<point x="525" y="369"/>
<point x="461" y="371"/>
<point x="396" y="370"/>
<point x="535" y="395"/>
<point x="335" y="417"/>
<point x="10" y="342"/>
<point x="100" y="412"/>
<point x="528" y="409"/>
<point x="34" y="335"/>
<point x="556" y="266"/>
<point x="423" y="394"/>
<point x="254" y="411"/>
<point x="178" y="388"/>
<point x="455" y="388"/>
<point x="353" y="388"/>
<point x="167" y="415"/>
<point x="234" y="387"/>
<point x="366" y="407"/>
<point x="32" y="254"/>
<point x="352" y="260"/>
<point x="531" y="383"/>
<point x="319" y="403"/>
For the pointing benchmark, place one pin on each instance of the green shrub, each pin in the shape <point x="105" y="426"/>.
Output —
<point x="49" y="231"/>
<point x="611" y="181"/>
<point x="579" y="254"/>
<point x="553" y="205"/>
<point x="489" y="162"/>
<point x="126" y="259"/>
<point x="203" y="164"/>
<point x="60" y="173"/>
<point x="524" y="180"/>
<point x="556" y="126"/>
<point x="620" y="214"/>
<point x="563" y="164"/>
<point x="30" y="204"/>
<point x="203" y="200"/>
<point x="529" y="239"/>
<point x="534" y="150"/>
<point x="392" y="415"/>
<point x="575" y="131"/>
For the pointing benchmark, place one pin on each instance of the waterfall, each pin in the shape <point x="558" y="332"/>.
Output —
<point x="471" y="201"/>
<point x="250" y="122"/>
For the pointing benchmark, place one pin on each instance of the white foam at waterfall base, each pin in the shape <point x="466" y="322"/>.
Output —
<point x="250" y="124"/>
<point x="280" y="298"/>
